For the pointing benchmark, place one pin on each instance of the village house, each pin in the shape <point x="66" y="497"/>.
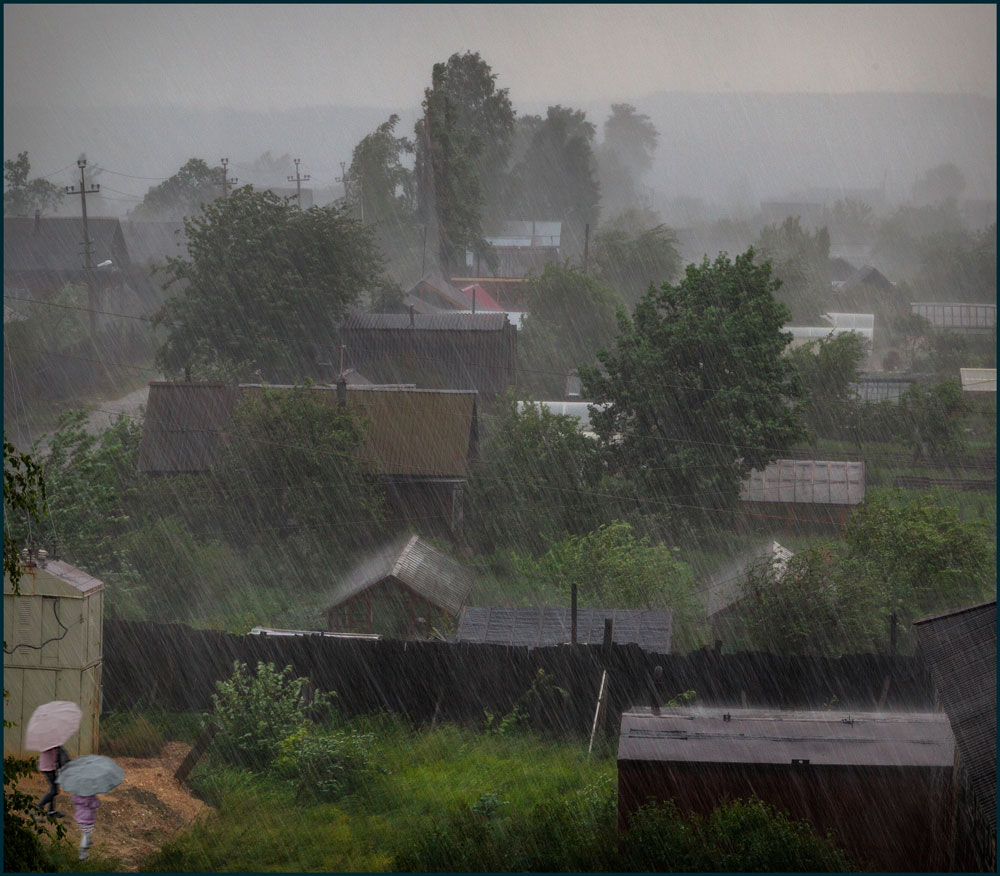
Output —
<point x="804" y="494"/>
<point x="408" y="590"/>
<point x="541" y="627"/>
<point x="420" y="442"/>
<point x="446" y="350"/>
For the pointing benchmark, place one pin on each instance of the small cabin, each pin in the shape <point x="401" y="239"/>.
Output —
<point x="53" y="630"/>
<point x="883" y="782"/>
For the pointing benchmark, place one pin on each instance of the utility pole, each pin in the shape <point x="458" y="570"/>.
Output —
<point x="347" y="191"/>
<point x="88" y="252"/>
<point x="298" y="180"/>
<point x="225" y="178"/>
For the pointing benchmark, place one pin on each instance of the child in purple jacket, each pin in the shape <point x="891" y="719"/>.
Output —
<point x="85" y="815"/>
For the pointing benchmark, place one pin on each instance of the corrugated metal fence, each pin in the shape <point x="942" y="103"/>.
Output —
<point x="174" y="667"/>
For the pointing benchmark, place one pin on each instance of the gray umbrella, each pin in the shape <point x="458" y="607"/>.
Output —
<point x="91" y="774"/>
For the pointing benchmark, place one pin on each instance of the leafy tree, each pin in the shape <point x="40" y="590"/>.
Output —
<point x="570" y="317"/>
<point x="801" y="260"/>
<point x="902" y="238"/>
<point x="184" y="194"/>
<point x="556" y="179"/>
<point x="265" y="285"/>
<point x="944" y="182"/>
<point x="625" y="155"/>
<point x="289" y="463"/>
<point x="23" y="497"/>
<point x="612" y="568"/>
<point x="633" y="251"/>
<point x="697" y="389"/>
<point x="24" y="197"/>
<point x="827" y="368"/>
<point x="462" y="143"/>
<point x="963" y="264"/>
<point x="379" y="183"/>
<point x="931" y="419"/>
<point x="849" y="221"/>
<point x="534" y="481"/>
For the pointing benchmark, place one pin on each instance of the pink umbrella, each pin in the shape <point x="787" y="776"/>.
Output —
<point x="51" y="725"/>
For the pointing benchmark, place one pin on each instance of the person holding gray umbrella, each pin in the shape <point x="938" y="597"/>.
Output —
<point x="85" y="778"/>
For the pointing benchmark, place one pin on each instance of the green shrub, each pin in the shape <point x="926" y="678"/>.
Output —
<point x="326" y="765"/>
<point x="255" y="713"/>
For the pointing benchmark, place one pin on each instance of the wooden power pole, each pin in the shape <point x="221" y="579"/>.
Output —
<point x="88" y="249"/>
<point x="298" y="180"/>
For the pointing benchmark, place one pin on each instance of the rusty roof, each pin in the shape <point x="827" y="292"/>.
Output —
<point x="416" y="564"/>
<point x="486" y="321"/>
<point x="537" y="627"/>
<point x="807" y="481"/>
<point x="758" y="736"/>
<point x="419" y="433"/>
<point x="961" y="648"/>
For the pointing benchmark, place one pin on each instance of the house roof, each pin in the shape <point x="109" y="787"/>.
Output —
<point x="56" y="243"/>
<point x="476" y="293"/>
<point x="979" y="379"/>
<point x="421" y="433"/>
<point x="151" y="242"/>
<point x="960" y="647"/>
<point x="868" y="276"/>
<point x="538" y="627"/>
<point x="815" y="482"/>
<point x="758" y="736"/>
<point x="443" y="321"/>
<point x="415" y="564"/>
<point x="435" y="286"/>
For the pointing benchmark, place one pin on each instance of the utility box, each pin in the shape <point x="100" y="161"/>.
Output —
<point x="882" y="781"/>
<point x="54" y="643"/>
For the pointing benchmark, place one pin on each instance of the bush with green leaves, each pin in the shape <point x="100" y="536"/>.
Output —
<point x="256" y="711"/>
<point x="325" y="764"/>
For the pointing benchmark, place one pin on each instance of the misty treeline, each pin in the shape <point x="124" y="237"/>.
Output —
<point x="688" y="368"/>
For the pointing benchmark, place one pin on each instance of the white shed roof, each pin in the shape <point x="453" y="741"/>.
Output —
<point x="807" y="481"/>
<point x="979" y="379"/>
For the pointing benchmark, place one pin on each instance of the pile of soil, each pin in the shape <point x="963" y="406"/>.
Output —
<point x="141" y="814"/>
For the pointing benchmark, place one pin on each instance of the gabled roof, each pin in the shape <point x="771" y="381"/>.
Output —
<point x="419" y="433"/>
<point x="814" y="482"/>
<point x="539" y="627"/>
<point x="416" y="565"/>
<point x="441" y="293"/>
<point x="56" y="243"/>
<point x="979" y="379"/>
<point x="960" y="647"/>
<point x="434" y="322"/>
<point x="868" y="276"/>
<point x="475" y="294"/>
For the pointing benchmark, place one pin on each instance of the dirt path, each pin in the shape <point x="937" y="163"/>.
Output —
<point x="137" y="817"/>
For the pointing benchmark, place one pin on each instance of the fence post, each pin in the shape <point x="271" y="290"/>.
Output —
<point x="194" y="755"/>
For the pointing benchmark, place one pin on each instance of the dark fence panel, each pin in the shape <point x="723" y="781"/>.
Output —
<point x="175" y="667"/>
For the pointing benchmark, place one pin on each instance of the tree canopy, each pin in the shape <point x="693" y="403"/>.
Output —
<point x="379" y="183"/>
<point x="801" y="260"/>
<point x="24" y="197"/>
<point x="265" y="286"/>
<point x="625" y="155"/>
<point x="24" y="498"/>
<point x="184" y="194"/>
<point x="697" y="389"/>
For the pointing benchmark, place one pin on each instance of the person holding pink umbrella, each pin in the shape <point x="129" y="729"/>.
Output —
<point x="49" y="727"/>
<point x="50" y="762"/>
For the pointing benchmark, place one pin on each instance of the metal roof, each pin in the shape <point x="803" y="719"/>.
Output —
<point x="960" y="647"/>
<point x="814" y="482"/>
<point x="812" y="332"/>
<point x="757" y="736"/>
<point x="56" y="243"/>
<point x="488" y="321"/>
<point x="417" y="565"/>
<point x="964" y="316"/>
<point x="979" y="379"/>
<point x="153" y="242"/>
<point x="537" y="627"/>
<point x="851" y="320"/>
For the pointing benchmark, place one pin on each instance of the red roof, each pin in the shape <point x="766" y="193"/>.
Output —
<point x="484" y="301"/>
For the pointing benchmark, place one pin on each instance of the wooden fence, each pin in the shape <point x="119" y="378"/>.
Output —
<point x="174" y="667"/>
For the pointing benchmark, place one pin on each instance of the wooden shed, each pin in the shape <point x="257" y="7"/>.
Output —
<point x="54" y="649"/>
<point x="408" y="590"/>
<point x="804" y="492"/>
<point x="882" y="781"/>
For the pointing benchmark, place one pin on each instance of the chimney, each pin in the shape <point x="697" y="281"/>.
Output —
<point x="412" y="318"/>
<point x="341" y="391"/>
<point x="38" y="221"/>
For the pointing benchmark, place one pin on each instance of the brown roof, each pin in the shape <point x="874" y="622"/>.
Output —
<point x="420" y="433"/>
<point x="961" y="648"/>
<point x="538" y="627"/>
<point x="757" y="736"/>
<point x="417" y="565"/>
<point x="484" y="321"/>
<point x="811" y="482"/>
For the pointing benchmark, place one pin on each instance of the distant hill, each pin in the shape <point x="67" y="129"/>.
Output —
<point x="712" y="146"/>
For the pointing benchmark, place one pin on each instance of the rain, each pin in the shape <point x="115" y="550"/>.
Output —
<point x="510" y="438"/>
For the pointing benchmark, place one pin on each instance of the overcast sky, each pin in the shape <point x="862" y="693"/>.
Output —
<point x="265" y="56"/>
